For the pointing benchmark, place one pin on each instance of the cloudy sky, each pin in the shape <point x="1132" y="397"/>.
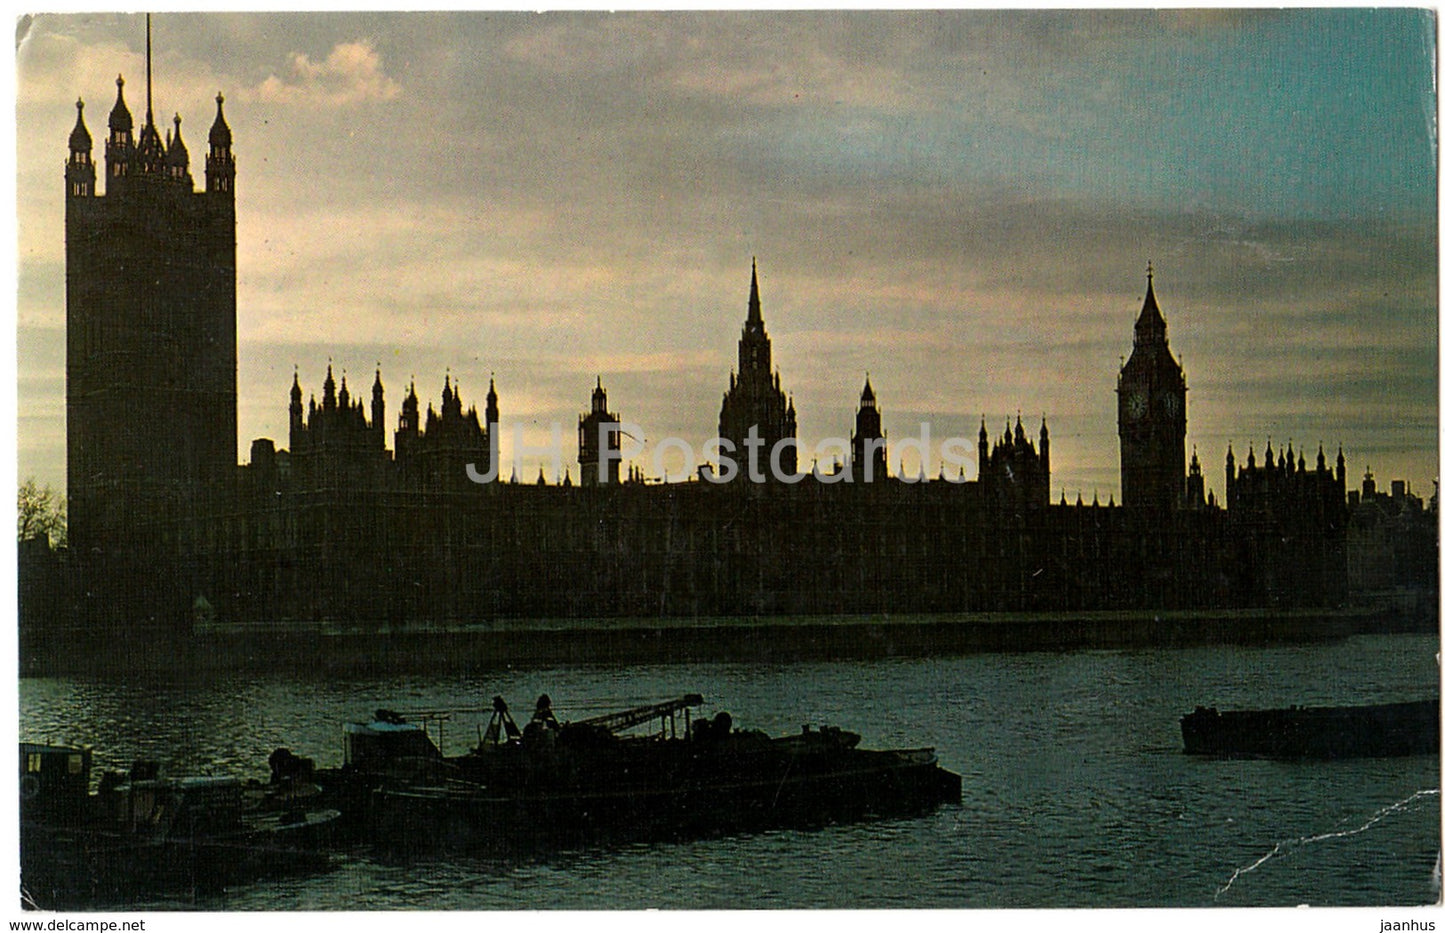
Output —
<point x="961" y="204"/>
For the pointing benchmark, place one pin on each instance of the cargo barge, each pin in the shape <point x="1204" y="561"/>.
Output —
<point x="564" y="784"/>
<point x="144" y="832"/>
<point x="1375" y="731"/>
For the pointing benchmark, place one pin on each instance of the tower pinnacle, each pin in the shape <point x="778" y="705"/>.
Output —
<point x="150" y="118"/>
<point x="755" y="304"/>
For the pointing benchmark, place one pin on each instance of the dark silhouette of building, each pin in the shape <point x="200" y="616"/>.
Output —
<point x="1151" y="416"/>
<point x="869" y="443"/>
<point x="337" y="530"/>
<point x="754" y="406"/>
<point x="1393" y="543"/>
<point x="1194" y="494"/>
<point x="1015" y="473"/>
<point x="150" y="348"/>
<point x="437" y="453"/>
<point x="598" y="431"/>
<point x="1289" y="524"/>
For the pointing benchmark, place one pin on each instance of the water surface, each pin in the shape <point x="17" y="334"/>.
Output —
<point x="1076" y="792"/>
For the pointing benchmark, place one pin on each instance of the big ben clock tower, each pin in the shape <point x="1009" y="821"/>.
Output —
<point x="1151" y="416"/>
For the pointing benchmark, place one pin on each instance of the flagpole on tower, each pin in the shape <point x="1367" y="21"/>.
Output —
<point x="150" y="117"/>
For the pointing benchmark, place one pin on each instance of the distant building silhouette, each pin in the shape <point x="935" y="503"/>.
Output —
<point x="754" y="402"/>
<point x="1151" y="416"/>
<point x="337" y="529"/>
<point x="869" y="443"/>
<point x="1290" y="523"/>
<point x="598" y="431"/>
<point x="1393" y="548"/>
<point x="1015" y="473"/>
<point x="150" y="347"/>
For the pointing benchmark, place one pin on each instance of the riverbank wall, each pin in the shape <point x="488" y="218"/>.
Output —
<point x="341" y="649"/>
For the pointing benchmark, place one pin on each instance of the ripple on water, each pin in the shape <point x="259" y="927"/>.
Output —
<point x="1075" y="791"/>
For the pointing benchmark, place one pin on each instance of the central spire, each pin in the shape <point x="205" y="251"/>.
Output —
<point x="150" y="118"/>
<point x="755" y="304"/>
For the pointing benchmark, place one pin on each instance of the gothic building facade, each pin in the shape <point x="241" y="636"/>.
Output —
<point x="869" y="443"/>
<point x="754" y="406"/>
<point x="598" y="431"/>
<point x="1014" y="474"/>
<point x="1151" y="415"/>
<point x="1289" y="522"/>
<point x="150" y="328"/>
<point x="337" y="528"/>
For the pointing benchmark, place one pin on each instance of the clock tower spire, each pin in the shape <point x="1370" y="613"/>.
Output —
<point x="1151" y="415"/>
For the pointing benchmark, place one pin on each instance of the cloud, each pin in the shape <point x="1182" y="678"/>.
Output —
<point x="961" y="204"/>
<point x="351" y="74"/>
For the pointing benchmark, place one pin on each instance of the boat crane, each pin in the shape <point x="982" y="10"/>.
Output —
<point x="616" y="722"/>
<point x="503" y="728"/>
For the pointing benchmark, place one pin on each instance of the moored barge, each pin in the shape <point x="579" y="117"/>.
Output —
<point x="573" y="783"/>
<point x="147" y="833"/>
<point x="1375" y="731"/>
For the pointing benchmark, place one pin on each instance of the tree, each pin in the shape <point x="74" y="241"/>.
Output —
<point x="40" y="512"/>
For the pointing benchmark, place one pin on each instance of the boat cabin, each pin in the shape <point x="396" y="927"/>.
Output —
<point x="384" y="741"/>
<point x="54" y="782"/>
<point x="180" y="806"/>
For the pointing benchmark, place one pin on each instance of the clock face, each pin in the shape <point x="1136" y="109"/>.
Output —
<point x="1136" y="404"/>
<point x="1171" y="404"/>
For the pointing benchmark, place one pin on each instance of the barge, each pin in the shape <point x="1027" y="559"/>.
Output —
<point x="560" y="784"/>
<point x="1375" y="731"/>
<point x="147" y="833"/>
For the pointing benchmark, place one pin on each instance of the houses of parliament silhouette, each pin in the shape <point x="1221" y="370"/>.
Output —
<point x="340" y="528"/>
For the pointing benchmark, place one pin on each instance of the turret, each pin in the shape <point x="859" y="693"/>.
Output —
<point x="451" y="399"/>
<point x="982" y="445"/>
<point x="378" y="405"/>
<point x="599" y="398"/>
<point x="119" y="144"/>
<point x="409" y="422"/>
<point x="150" y="155"/>
<point x="220" y="163"/>
<point x="1194" y="483"/>
<point x="492" y="413"/>
<point x="1044" y="445"/>
<point x="298" y="426"/>
<point x="1229" y="471"/>
<point x="79" y="168"/>
<point x="328" y="391"/>
<point x="178" y="159"/>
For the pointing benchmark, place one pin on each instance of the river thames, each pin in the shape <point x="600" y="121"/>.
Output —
<point x="1076" y="791"/>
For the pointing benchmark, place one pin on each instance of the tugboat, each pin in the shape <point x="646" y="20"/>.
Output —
<point x="144" y="833"/>
<point x="1378" y="731"/>
<point x="559" y="784"/>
